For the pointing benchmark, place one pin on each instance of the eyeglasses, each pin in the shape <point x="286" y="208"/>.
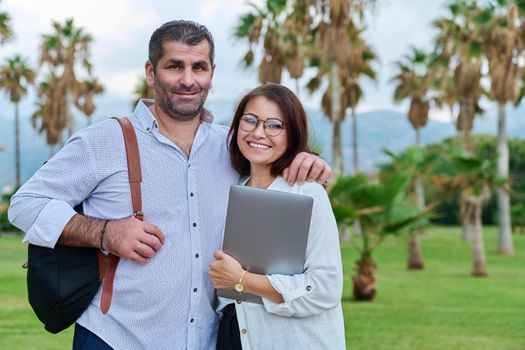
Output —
<point x="272" y="126"/>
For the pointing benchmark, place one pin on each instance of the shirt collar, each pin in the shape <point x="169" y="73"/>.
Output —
<point x="147" y="119"/>
<point x="144" y="115"/>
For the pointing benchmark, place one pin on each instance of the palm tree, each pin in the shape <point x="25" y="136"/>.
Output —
<point x="15" y="77"/>
<point x="49" y="116"/>
<point x="333" y="49"/>
<point x="86" y="91"/>
<point x="414" y="79"/>
<point x="62" y="51"/>
<point x="383" y="210"/>
<point x="141" y="90"/>
<point x="475" y="177"/>
<point x="6" y="32"/>
<point x="264" y="25"/>
<point x="459" y="42"/>
<point x="418" y="166"/>
<point x="340" y="56"/>
<point x="504" y="47"/>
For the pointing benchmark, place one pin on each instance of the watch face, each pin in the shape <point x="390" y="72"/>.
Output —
<point x="239" y="287"/>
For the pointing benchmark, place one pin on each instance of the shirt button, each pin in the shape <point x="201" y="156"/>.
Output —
<point x="197" y="255"/>
<point x="243" y="331"/>
<point x="308" y="288"/>
<point x="191" y="194"/>
<point x="148" y="129"/>
<point x="194" y="225"/>
<point x="195" y="289"/>
<point x="191" y="321"/>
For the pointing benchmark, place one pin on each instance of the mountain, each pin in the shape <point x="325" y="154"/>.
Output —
<point x="376" y="130"/>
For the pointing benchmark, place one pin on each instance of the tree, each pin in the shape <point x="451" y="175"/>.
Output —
<point x="62" y="51"/>
<point x="86" y="91"/>
<point x="459" y="43"/>
<point x="504" y="48"/>
<point x="475" y="178"/>
<point x="320" y="31"/>
<point x="337" y="23"/>
<point x="6" y="32"/>
<point x="15" y="78"/>
<point x="141" y="90"/>
<point x="414" y="79"/>
<point x="418" y="166"/>
<point x="50" y="100"/>
<point x="413" y="82"/>
<point x="359" y="63"/>
<point x="383" y="210"/>
<point x="264" y="25"/>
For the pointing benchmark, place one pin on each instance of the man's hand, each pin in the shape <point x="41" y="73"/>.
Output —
<point x="133" y="239"/>
<point x="225" y="271"/>
<point x="128" y="238"/>
<point x="307" y="167"/>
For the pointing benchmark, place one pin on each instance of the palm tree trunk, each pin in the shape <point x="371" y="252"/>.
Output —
<point x="70" y="116"/>
<point x="364" y="282"/>
<point x="463" y="126"/>
<point x="467" y="132"/>
<point x="468" y="229"/>
<point x="355" y="159"/>
<point x="415" y="258"/>
<point x="337" y="149"/>
<point x="479" y="267"/>
<point x="505" y="232"/>
<point x="418" y="137"/>
<point x="355" y="145"/>
<point x="51" y="151"/>
<point x="17" y="146"/>
<point x="466" y="215"/>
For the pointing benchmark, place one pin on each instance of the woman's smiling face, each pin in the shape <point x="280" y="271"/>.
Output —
<point x="257" y="146"/>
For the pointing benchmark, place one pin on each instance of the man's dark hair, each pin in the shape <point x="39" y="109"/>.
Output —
<point x="296" y="127"/>
<point x="185" y="32"/>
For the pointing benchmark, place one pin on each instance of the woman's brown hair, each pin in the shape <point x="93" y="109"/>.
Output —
<point x="295" y="121"/>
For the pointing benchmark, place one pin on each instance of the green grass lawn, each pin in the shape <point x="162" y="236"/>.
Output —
<point x="441" y="307"/>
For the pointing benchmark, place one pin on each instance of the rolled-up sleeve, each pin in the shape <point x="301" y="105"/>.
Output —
<point x="44" y="204"/>
<point x="320" y="287"/>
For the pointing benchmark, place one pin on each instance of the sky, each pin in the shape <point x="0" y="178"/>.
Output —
<point x="121" y="31"/>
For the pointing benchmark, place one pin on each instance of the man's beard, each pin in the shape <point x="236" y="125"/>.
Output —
<point x="183" y="111"/>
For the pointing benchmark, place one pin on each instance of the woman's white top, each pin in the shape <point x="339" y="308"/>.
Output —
<point x="311" y="316"/>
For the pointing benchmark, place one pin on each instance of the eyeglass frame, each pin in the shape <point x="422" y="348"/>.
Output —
<point x="264" y="124"/>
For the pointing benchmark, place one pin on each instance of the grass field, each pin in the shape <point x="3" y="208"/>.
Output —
<point x="439" y="308"/>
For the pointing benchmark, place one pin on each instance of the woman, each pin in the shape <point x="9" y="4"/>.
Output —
<point x="301" y="311"/>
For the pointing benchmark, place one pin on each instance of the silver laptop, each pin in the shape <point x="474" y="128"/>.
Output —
<point x="267" y="232"/>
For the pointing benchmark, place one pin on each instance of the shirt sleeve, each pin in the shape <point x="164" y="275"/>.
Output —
<point x="44" y="205"/>
<point x="320" y="287"/>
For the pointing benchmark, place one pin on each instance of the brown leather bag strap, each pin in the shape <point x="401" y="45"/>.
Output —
<point x="108" y="263"/>
<point x="134" y="172"/>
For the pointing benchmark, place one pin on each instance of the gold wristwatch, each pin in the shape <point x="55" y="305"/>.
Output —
<point x="239" y="286"/>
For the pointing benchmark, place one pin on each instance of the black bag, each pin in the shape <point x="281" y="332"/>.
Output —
<point x="62" y="282"/>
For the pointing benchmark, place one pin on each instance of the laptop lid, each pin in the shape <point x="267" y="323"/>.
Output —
<point x="267" y="232"/>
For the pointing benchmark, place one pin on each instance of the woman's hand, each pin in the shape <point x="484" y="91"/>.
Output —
<point x="225" y="271"/>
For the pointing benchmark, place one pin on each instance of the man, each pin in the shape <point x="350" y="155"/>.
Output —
<point x="162" y="298"/>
